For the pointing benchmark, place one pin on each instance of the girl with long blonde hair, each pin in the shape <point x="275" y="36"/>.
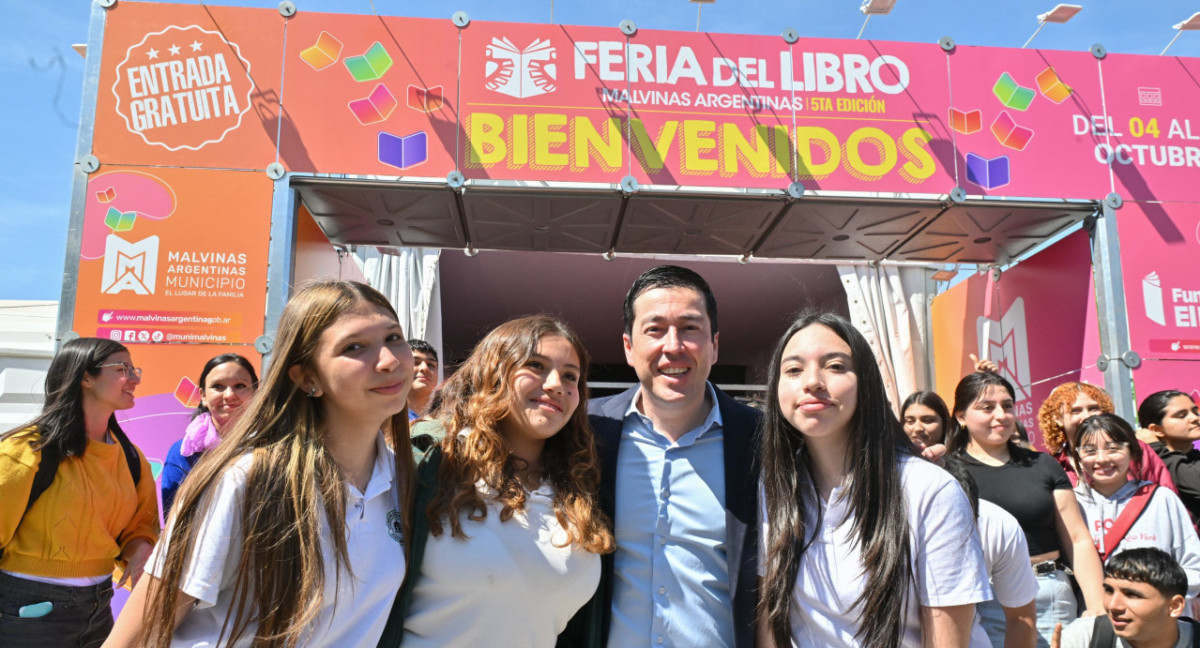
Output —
<point x="507" y="547"/>
<point x="289" y="532"/>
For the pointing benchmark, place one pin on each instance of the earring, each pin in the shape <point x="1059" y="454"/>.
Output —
<point x="312" y="392"/>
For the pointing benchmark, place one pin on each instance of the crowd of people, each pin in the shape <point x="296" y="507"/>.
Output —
<point x="350" y="500"/>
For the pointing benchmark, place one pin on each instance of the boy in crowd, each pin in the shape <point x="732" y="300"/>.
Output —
<point x="1144" y="593"/>
<point x="425" y="378"/>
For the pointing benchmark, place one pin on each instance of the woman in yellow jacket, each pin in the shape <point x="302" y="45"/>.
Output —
<point x="77" y="500"/>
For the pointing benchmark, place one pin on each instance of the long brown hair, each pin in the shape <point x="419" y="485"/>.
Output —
<point x="292" y="486"/>
<point x="477" y="397"/>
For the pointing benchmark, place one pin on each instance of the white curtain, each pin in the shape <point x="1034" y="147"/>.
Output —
<point x="409" y="279"/>
<point x="889" y="305"/>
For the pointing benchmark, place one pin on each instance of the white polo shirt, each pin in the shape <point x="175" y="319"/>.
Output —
<point x="947" y="560"/>
<point x="354" y="610"/>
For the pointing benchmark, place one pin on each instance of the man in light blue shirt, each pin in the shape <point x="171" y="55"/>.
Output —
<point x="678" y="479"/>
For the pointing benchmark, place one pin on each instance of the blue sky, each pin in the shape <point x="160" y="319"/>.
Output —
<point x="43" y="78"/>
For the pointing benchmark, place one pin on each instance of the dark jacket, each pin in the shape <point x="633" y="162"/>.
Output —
<point x="740" y="428"/>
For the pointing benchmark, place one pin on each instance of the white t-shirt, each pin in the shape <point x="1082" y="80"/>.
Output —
<point x="948" y="564"/>
<point x="1007" y="556"/>
<point x="1164" y="524"/>
<point x="507" y="585"/>
<point x="355" y="609"/>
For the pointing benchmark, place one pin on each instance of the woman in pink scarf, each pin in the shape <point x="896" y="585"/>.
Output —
<point x="226" y="383"/>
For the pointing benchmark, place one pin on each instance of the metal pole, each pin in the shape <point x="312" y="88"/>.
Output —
<point x="1041" y="24"/>
<point x="1177" y="33"/>
<point x="79" y="192"/>
<point x="1116" y="360"/>
<point x="698" y="8"/>
<point x="863" y="28"/>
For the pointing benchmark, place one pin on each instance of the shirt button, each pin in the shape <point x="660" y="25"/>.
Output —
<point x="666" y="493"/>
<point x="662" y="541"/>
<point x="659" y="639"/>
<point x="662" y="590"/>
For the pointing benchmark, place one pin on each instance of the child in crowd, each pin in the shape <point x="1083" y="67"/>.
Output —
<point x="226" y="383"/>
<point x="76" y="499"/>
<point x="1143" y="600"/>
<point x="507" y="532"/>
<point x="864" y="542"/>
<point x="290" y="531"/>
<point x="1124" y="513"/>
<point x="1034" y="489"/>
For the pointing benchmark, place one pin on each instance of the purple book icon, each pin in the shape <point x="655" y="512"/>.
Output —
<point x="403" y="152"/>
<point x="986" y="173"/>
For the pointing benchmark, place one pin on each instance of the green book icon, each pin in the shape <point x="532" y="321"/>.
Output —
<point x="371" y="65"/>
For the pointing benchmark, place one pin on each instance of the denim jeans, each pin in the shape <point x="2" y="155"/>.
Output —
<point x="81" y="616"/>
<point x="991" y="617"/>
<point x="1055" y="604"/>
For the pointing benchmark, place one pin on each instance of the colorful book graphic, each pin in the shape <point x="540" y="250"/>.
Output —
<point x="1052" y="87"/>
<point x="377" y="107"/>
<point x="1011" y="94"/>
<point x="425" y="99"/>
<point x="403" y="152"/>
<point x="520" y="73"/>
<point x="119" y="221"/>
<point x="324" y="53"/>
<point x="986" y="173"/>
<point x="1009" y="134"/>
<point x="187" y="393"/>
<point x="1152" y="297"/>
<point x="371" y="65"/>
<point x="966" y="122"/>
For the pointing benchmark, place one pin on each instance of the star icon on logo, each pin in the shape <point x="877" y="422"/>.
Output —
<point x="153" y="53"/>
<point x="174" y="50"/>
<point x="195" y="46"/>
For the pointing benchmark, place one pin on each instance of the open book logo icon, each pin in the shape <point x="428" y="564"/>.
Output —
<point x="1007" y="343"/>
<point x="129" y="266"/>
<point x="519" y="72"/>
<point x="1152" y="298"/>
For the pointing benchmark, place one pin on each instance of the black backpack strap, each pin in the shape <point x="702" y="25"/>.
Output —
<point x="47" y="468"/>
<point x="131" y="455"/>
<point x="1103" y="635"/>
<point x="1195" y="630"/>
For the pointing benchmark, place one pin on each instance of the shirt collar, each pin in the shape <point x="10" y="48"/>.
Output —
<point x="713" y="419"/>
<point x="384" y="472"/>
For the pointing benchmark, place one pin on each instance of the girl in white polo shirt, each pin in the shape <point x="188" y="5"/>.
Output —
<point x="509" y="543"/>
<point x="865" y="543"/>
<point x="289" y="532"/>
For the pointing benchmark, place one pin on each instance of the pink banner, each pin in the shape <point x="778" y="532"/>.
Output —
<point x="1160" y="256"/>
<point x="1154" y="147"/>
<point x="1016" y="121"/>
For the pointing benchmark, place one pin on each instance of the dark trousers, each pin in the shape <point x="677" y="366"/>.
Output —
<point x="81" y="616"/>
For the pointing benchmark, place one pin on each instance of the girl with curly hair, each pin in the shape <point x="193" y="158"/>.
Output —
<point x="1068" y="406"/>
<point x="508" y="533"/>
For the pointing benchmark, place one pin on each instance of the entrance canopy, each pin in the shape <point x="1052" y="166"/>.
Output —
<point x="673" y="220"/>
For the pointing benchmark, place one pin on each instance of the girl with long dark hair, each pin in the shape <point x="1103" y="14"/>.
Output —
<point x="510" y="541"/>
<point x="289" y="533"/>
<point x="227" y="382"/>
<point x="865" y="543"/>
<point x="1034" y="489"/>
<point x="76" y="500"/>
<point x="1170" y="422"/>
